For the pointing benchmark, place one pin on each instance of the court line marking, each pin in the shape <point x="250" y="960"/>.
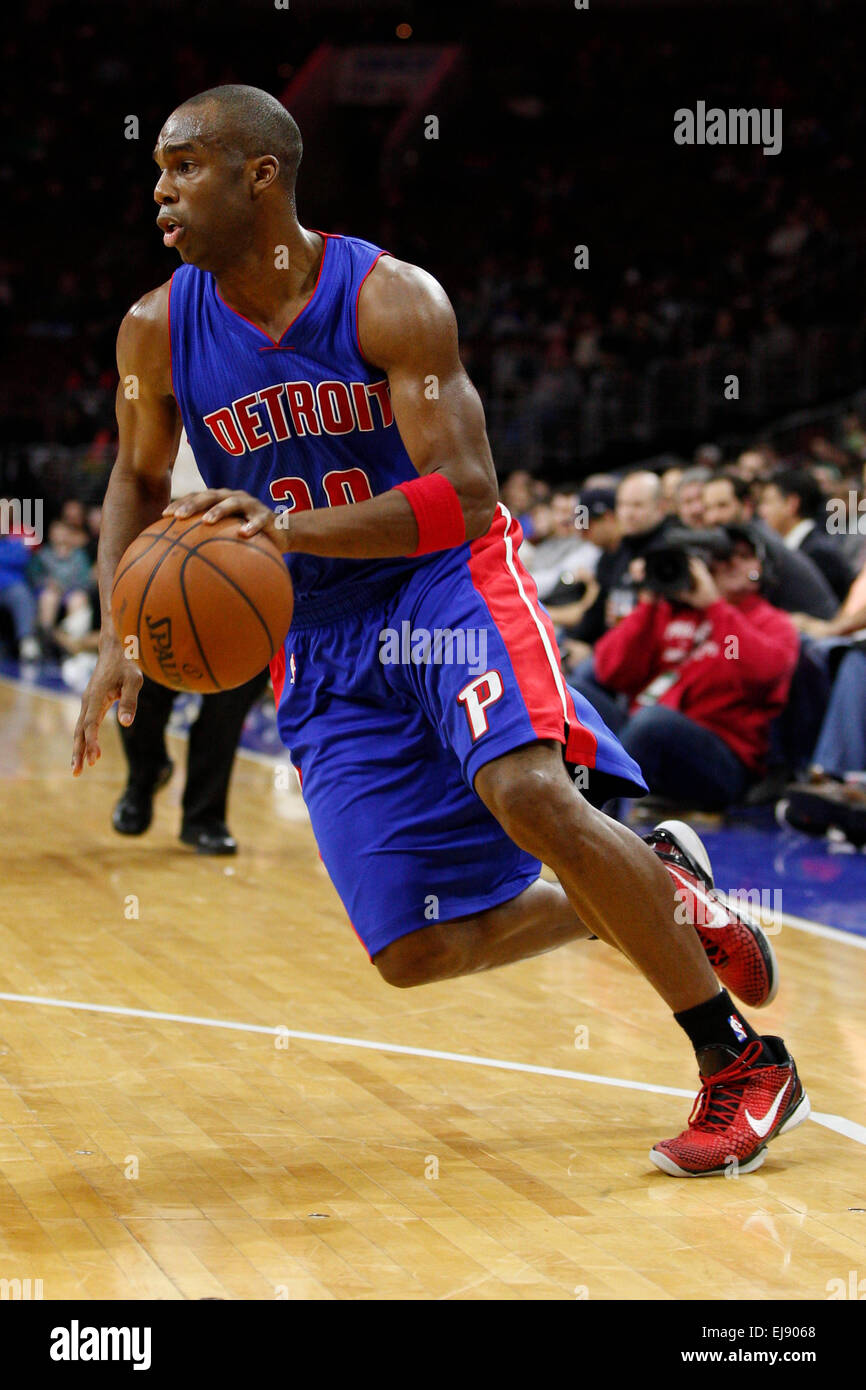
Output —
<point x="851" y="938"/>
<point x="839" y="1123"/>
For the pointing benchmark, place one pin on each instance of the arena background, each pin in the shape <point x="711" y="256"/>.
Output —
<point x="555" y="129"/>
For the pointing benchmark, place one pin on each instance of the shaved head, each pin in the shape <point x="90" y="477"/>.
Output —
<point x="247" y="122"/>
<point x="639" y="502"/>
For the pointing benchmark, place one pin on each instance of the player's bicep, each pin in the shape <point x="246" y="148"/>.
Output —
<point x="439" y="416"/>
<point x="410" y="330"/>
<point x="148" y="419"/>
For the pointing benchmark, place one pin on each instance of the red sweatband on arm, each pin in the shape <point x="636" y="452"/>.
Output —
<point x="438" y="513"/>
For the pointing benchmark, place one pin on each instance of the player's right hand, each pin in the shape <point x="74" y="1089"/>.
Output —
<point x="115" y="677"/>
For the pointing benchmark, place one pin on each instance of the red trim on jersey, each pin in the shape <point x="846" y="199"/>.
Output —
<point x="277" y="666"/>
<point x="499" y="575"/>
<point x="277" y="342"/>
<point x="357" y="301"/>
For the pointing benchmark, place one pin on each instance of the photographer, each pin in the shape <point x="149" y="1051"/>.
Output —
<point x="705" y="663"/>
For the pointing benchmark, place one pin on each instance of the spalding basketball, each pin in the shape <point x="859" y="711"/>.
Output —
<point x="207" y="608"/>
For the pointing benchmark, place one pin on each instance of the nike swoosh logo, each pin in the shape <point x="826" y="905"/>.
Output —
<point x="762" y="1127"/>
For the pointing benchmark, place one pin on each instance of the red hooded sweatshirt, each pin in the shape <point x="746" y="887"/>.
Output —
<point x="728" y="666"/>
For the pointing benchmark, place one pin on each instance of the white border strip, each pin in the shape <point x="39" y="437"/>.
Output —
<point x="835" y="1122"/>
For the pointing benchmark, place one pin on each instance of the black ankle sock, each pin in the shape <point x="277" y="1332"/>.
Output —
<point x="717" y="1023"/>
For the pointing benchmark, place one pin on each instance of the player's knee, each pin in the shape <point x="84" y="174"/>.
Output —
<point x="536" y="808"/>
<point x="416" y="959"/>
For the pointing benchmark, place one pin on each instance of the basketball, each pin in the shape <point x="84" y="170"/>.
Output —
<point x="208" y="607"/>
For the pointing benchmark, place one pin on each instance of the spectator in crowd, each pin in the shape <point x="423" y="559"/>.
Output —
<point x="518" y="495"/>
<point x="583" y="622"/>
<point x="757" y="463"/>
<point x="833" y="795"/>
<point x="793" y="582"/>
<point x="16" y="596"/>
<point x="708" y="456"/>
<point x="73" y="512"/>
<point x="690" y="496"/>
<point x="61" y="575"/>
<point x="792" y="503"/>
<point x="849" y="619"/>
<point x="563" y="552"/>
<point x="702" y="677"/>
<point x="642" y="519"/>
<point x="670" y="484"/>
<point x="94" y="524"/>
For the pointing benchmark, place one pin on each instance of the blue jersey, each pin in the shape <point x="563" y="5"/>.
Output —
<point x="387" y="743"/>
<point x="303" y="422"/>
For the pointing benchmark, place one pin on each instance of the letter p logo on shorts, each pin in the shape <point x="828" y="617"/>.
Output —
<point x="476" y="697"/>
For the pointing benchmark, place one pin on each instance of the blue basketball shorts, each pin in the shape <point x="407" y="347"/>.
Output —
<point x="389" y="712"/>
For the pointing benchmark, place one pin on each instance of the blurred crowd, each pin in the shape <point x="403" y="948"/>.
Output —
<point x="49" y="597"/>
<point x="752" y="275"/>
<point x="714" y="612"/>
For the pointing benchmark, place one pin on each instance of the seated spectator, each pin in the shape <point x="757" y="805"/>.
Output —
<point x="670" y="483"/>
<point x="563" y="552"/>
<point x="74" y="514"/>
<point x="834" y="792"/>
<point x="792" y="503"/>
<point x="850" y="618"/>
<point x="640" y="521"/>
<point x="94" y="525"/>
<point x="753" y="464"/>
<point x="16" y="595"/>
<point x="690" y="496"/>
<point x="61" y="576"/>
<point x="793" y="582"/>
<point x="641" y="518"/>
<point x="708" y="456"/>
<point x="702" y="679"/>
<point x="583" y="621"/>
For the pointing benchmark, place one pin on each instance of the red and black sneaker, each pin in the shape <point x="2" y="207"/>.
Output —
<point x="737" y="1112"/>
<point x="736" y="945"/>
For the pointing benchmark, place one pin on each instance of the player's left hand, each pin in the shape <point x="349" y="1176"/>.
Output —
<point x="217" y="502"/>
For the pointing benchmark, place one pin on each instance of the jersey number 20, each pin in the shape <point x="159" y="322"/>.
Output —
<point x="341" y="486"/>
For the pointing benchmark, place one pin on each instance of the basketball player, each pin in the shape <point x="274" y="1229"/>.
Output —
<point x="319" y="381"/>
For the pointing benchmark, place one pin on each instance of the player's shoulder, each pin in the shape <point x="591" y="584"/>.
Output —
<point x="143" y="341"/>
<point x="396" y="283"/>
<point x="150" y="311"/>
<point x="402" y="307"/>
<point x="146" y="323"/>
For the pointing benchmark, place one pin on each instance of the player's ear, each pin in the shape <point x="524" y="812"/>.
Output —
<point x="264" y="171"/>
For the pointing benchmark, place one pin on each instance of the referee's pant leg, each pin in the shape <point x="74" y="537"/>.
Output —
<point x="213" y="741"/>
<point x="144" y="740"/>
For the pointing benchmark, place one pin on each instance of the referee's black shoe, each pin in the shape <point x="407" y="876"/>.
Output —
<point x="214" y="837"/>
<point x="134" y="811"/>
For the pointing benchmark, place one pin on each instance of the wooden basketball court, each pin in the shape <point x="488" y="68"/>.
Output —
<point x="207" y="1091"/>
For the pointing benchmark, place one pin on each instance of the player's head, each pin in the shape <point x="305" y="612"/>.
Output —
<point x="227" y="156"/>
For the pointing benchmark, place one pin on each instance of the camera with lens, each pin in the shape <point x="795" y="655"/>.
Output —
<point x="667" y="562"/>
